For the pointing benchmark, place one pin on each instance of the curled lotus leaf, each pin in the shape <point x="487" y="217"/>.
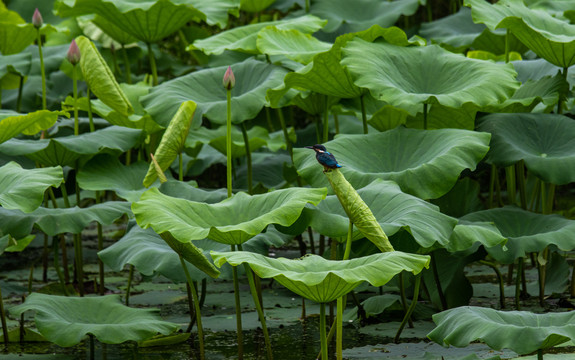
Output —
<point x="321" y="280"/>
<point x="13" y="123"/>
<point x="293" y="44"/>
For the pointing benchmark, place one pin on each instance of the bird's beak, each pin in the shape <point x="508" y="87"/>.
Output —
<point x="309" y="147"/>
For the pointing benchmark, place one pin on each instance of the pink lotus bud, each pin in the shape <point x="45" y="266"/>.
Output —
<point x="37" y="20"/>
<point x="73" y="54"/>
<point x="229" y="79"/>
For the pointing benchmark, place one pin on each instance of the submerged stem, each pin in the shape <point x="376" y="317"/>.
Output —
<point x="196" y="306"/>
<point x="410" y="309"/>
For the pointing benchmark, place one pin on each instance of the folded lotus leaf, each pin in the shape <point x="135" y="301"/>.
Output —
<point x="293" y="44"/>
<point x="13" y="123"/>
<point x="321" y="280"/>
<point x="66" y="321"/>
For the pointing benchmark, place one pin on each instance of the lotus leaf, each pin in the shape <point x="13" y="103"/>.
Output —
<point x="321" y="280"/>
<point x="457" y="30"/>
<point x="232" y="221"/>
<point x="526" y="231"/>
<point x="521" y="331"/>
<point x="66" y="321"/>
<point x="23" y="189"/>
<point x="393" y="210"/>
<point x="544" y="141"/>
<point x="217" y="11"/>
<point x="9" y="244"/>
<point x="401" y="75"/>
<point x="12" y="67"/>
<point x="173" y="141"/>
<point x="423" y="163"/>
<point x="255" y="5"/>
<point x="467" y="233"/>
<point x="13" y="123"/>
<point x="66" y="150"/>
<point x="58" y="221"/>
<point x="293" y="44"/>
<point x="205" y="88"/>
<point x="548" y="37"/>
<point x="100" y="78"/>
<point x="17" y="35"/>
<point x="149" y="21"/>
<point x="244" y="38"/>
<point x="187" y="191"/>
<point x="104" y="31"/>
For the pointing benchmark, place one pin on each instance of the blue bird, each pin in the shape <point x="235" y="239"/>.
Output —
<point x="324" y="157"/>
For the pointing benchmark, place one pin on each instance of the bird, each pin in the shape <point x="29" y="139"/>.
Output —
<point x="324" y="157"/>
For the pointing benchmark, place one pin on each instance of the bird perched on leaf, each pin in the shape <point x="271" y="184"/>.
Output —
<point x="324" y="157"/>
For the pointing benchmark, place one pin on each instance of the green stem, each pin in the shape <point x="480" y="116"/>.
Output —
<point x="79" y="262"/>
<point x="248" y="156"/>
<point x="562" y="97"/>
<point x="339" y="329"/>
<point x="127" y="65"/>
<point x="410" y="309"/>
<point x="196" y="306"/>
<point x="539" y="354"/>
<point x="100" y="248"/>
<point x="518" y="283"/>
<point x="3" y="319"/>
<point x="363" y="114"/>
<point x="491" y="186"/>
<point x="511" y="184"/>
<point x="307" y="6"/>
<point x="90" y="116"/>
<point x="429" y="12"/>
<point x="336" y="122"/>
<point x="129" y="286"/>
<point x="325" y="136"/>
<point x="499" y="279"/>
<point x="180" y="167"/>
<point x="425" y="116"/>
<point x="55" y="244"/>
<point x="520" y="173"/>
<point x="75" y="94"/>
<point x="286" y="133"/>
<point x="269" y="119"/>
<point x="229" y="143"/>
<point x="117" y="70"/>
<point x="507" y="34"/>
<point x="437" y="282"/>
<point x="19" y="100"/>
<point x="239" y="331"/>
<point x="403" y="297"/>
<point x="92" y="347"/>
<point x="42" y="70"/>
<point x="153" y="65"/>
<point x="322" y="332"/>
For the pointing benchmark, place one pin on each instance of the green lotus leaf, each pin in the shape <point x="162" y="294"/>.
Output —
<point x="66" y="150"/>
<point x="293" y="44"/>
<point x="12" y="68"/>
<point x="423" y="163"/>
<point x="217" y="11"/>
<point x="66" y="321"/>
<point x="325" y="75"/>
<point x="151" y="255"/>
<point x="183" y="190"/>
<point x="13" y="123"/>
<point x="233" y="221"/>
<point x="543" y="141"/>
<point x="147" y="21"/>
<point x="244" y="38"/>
<point x="393" y="209"/>
<point x="547" y="36"/>
<point x="321" y="280"/>
<point x="345" y="16"/>
<point x="107" y="29"/>
<point x="467" y="233"/>
<point x="458" y="30"/>
<point x="205" y="88"/>
<point x="61" y="220"/>
<point x="526" y="231"/>
<point x="101" y="79"/>
<point x="380" y="115"/>
<point x="15" y="37"/>
<point x="9" y="244"/>
<point x="456" y="80"/>
<point x="255" y="5"/>
<point x="521" y="331"/>
<point x="23" y="189"/>
<point x="173" y="140"/>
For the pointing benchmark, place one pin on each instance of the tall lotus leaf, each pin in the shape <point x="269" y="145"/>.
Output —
<point x="148" y="21"/>
<point x="407" y="76"/>
<point x="66" y="321"/>
<point x="13" y="123"/>
<point x="521" y="331"/>
<point x="526" y="231"/>
<point x="15" y="34"/>
<point x="547" y="36"/>
<point x="205" y="88"/>
<point x="244" y="38"/>
<point x="393" y="210"/>
<point x="217" y="11"/>
<point x="293" y="44"/>
<point x="423" y="163"/>
<point x="59" y="221"/>
<point x="173" y="140"/>
<point x="544" y="141"/>
<point x="66" y="150"/>
<point x="233" y="221"/>
<point x="457" y="30"/>
<point x="255" y="5"/>
<point x="100" y="78"/>
<point x="359" y="15"/>
<point x="24" y="189"/>
<point x="12" y="67"/>
<point x="321" y="280"/>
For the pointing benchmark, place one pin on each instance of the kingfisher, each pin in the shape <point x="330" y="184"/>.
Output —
<point x="324" y="157"/>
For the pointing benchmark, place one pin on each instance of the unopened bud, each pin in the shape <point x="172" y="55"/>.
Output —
<point x="37" y="20"/>
<point x="73" y="54"/>
<point x="229" y="79"/>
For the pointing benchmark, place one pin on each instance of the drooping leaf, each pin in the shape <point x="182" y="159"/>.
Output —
<point x="467" y="233"/>
<point x="17" y="35"/>
<point x="101" y="79"/>
<point x="293" y="44"/>
<point x="217" y="11"/>
<point x="457" y="30"/>
<point x="205" y="88"/>
<point x="521" y="331"/>
<point x="233" y="221"/>
<point x="66" y="321"/>
<point x="173" y="140"/>
<point x="544" y="141"/>
<point x="408" y="76"/>
<point x="12" y="68"/>
<point x="321" y="280"/>
<point x="23" y="189"/>
<point x="13" y="123"/>
<point x="255" y="5"/>
<point x="423" y="163"/>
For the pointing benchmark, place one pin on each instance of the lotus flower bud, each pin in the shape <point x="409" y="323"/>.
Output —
<point x="229" y="79"/>
<point x="37" y="20"/>
<point x="73" y="54"/>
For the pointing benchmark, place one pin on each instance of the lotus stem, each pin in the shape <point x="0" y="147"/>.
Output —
<point x="65" y="258"/>
<point x="239" y="331"/>
<point x="153" y="65"/>
<point x="403" y="298"/>
<point x="410" y="309"/>
<point x="79" y="263"/>
<point x="90" y="116"/>
<point x="229" y="142"/>
<point x="307" y="6"/>
<point x="425" y="116"/>
<point x="19" y="100"/>
<point x="203" y="293"/>
<point x="180" y="167"/>
<point x="518" y="283"/>
<point x="126" y="65"/>
<point x="339" y="328"/>
<point x="57" y="266"/>
<point x="511" y="184"/>
<point x="115" y="65"/>
<point x="197" y="307"/>
<point x="3" y="319"/>
<point x="269" y="119"/>
<point x="0" y="99"/>
<point x="42" y="70"/>
<point x="437" y="282"/>
<point x="322" y="332"/>
<point x="100" y="248"/>
<point x="491" y="186"/>
<point x="562" y="97"/>
<point x="129" y="286"/>
<point x="248" y="156"/>
<point x="325" y="136"/>
<point x="539" y="354"/>
<point x="191" y="308"/>
<point x="336" y="122"/>
<point x="75" y="94"/>
<point x="520" y="172"/>
<point x="507" y="35"/>
<point x="499" y="280"/>
<point x="286" y="134"/>
<point x="92" y="347"/>
<point x="363" y="114"/>
<point x="311" y="240"/>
